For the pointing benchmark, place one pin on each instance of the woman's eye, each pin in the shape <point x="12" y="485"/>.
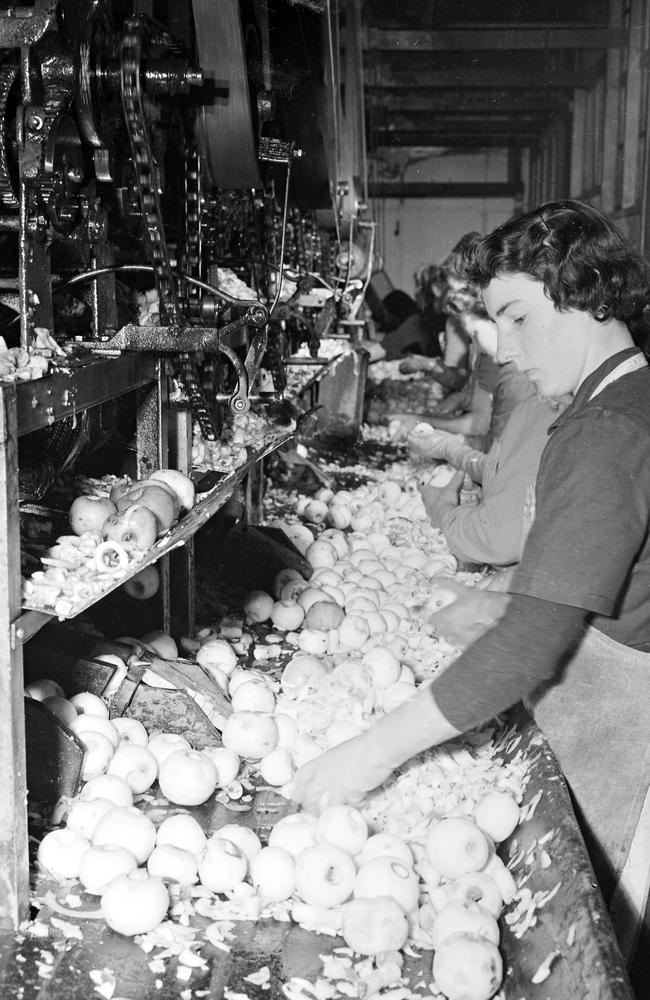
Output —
<point x="518" y="320"/>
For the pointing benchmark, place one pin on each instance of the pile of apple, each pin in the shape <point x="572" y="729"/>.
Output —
<point x="230" y="451"/>
<point x="112" y="531"/>
<point x="333" y="874"/>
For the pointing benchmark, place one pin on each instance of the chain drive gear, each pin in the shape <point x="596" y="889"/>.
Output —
<point x="147" y="182"/>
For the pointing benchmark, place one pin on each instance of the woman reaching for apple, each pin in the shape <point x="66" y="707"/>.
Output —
<point x="564" y="288"/>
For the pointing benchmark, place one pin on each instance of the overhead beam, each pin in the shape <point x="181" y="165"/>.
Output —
<point x="434" y="189"/>
<point x="441" y="138"/>
<point x="475" y="77"/>
<point x="465" y="102"/>
<point x="422" y="121"/>
<point x="505" y="37"/>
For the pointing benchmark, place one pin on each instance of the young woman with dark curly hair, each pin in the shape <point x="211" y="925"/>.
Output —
<point x="564" y="288"/>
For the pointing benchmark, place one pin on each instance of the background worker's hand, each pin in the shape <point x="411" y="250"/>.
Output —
<point x="416" y="363"/>
<point x="439" y="500"/>
<point x="401" y="425"/>
<point x="428" y="444"/>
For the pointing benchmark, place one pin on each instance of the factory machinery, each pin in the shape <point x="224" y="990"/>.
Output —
<point x="181" y="262"/>
<point x="157" y="278"/>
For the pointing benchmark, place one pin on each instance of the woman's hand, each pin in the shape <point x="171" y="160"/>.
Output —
<point x="343" y="774"/>
<point x="439" y="500"/>
<point x="469" y="616"/>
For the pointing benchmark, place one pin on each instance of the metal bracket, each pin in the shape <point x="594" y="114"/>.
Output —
<point x="197" y="339"/>
<point x="16" y="635"/>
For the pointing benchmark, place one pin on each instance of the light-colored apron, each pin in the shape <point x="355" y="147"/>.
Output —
<point x="597" y="720"/>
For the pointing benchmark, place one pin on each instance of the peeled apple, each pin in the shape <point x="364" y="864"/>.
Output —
<point x="135" y="903"/>
<point x="181" y="830"/>
<point x="455" y="846"/>
<point x="272" y="873"/>
<point x="287" y="616"/>
<point x="467" y="967"/>
<point x="187" y="778"/>
<point x="222" y="865"/>
<point x="217" y="654"/>
<point x="258" y="606"/>
<point x="321" y="553"/>
<point x="386" y="876"/>
<point x="100" y="865"/>
<point x="374" y="926"/>
<point x="324" y="615"/>
<point x="172" y="863"/>
<point x="127" y="826"/>
<point x="471" y="918"/>
<point x="60" y="853"/>
<point x="242" y="837"/>
<point x="497" y="814"/>
<point x="250" y="734"/>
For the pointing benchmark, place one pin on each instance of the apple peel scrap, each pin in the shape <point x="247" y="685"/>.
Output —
<point x="78" y="570"/>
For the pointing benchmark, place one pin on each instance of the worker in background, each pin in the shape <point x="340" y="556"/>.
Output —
<point x="469" y="411"/>
<point x="493" y="530"/>
<point x="468" y="374"/>
<point x="562" y="285"/>
<point x="420" y="331"/>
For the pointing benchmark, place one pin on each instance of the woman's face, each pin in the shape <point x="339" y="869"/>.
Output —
<point x="548" y="346"/>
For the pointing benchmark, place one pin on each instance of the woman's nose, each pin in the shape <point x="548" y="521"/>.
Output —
<point x="505" y="348"/>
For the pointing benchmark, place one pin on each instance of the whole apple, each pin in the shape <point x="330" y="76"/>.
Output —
<point x="182" y="485"/>
<point x="88" y="513"/>
<point x="135" y="527"/>
<point x="157" y="499"/>
<point x="144" y="584"/>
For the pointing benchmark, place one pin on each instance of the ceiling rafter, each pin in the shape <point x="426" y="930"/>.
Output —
<point x="506" y="37"/>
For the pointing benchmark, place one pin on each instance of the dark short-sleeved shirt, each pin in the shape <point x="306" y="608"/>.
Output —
<point x="589" y="544"/>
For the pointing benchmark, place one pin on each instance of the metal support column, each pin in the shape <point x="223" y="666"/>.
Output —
<point x="14" y="858"/>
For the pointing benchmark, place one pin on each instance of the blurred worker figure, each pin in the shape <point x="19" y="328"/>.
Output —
<point x="492" y="530"/>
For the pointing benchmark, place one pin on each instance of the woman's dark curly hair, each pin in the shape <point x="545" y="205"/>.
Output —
<point x="582" y="259"/>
